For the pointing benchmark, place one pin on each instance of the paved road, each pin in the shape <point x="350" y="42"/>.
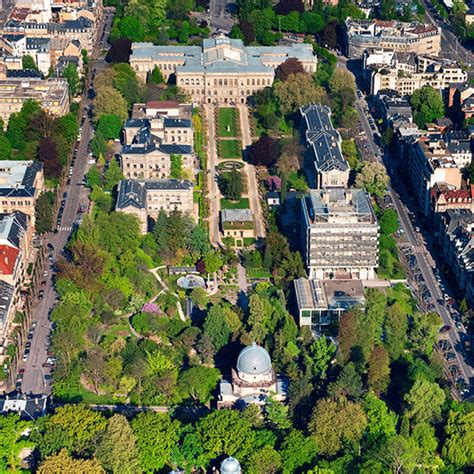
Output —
<point x="33" y="379"/>
<point x="450" y="46"/>
<point x="214" y="192"/>
<point x="253" y="191"/>
<point x="422" y="255"/>
<point x="219" y="16"/>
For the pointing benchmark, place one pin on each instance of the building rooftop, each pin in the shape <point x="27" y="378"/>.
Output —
<point x="329" y="294"/>
<point x="352" y="203"/>
<point x="323" y="138"/>
<point x="17" y="178"/>
<point x="130" y="193"/>
<point x="236" y="215"/>
<point x="12" y="228"/>
<point x="254" y="360"/>
<point x="29" y="407"/>
<point x="167" y="184"/>
<point x="6" y="300"/>
<point x="221" y="55"/>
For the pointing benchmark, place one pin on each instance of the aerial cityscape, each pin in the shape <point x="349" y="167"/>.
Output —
<point x="237" y="237"/>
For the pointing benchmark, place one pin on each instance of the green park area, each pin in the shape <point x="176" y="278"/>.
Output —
<point x="242" y="203"/>
<point x="227" y="120"/>
<point x="229" y="149"/>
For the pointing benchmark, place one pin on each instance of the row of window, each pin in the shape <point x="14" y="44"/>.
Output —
<point x="15" y="203"/>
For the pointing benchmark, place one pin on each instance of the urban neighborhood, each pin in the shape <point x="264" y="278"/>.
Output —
<point x="237" y="237"/>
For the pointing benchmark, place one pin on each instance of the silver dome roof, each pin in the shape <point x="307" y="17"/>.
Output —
<point x="254" y="360"/>
<point x="230" y="466"/>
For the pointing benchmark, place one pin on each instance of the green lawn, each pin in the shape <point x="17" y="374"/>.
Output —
<point x="257" y="272"/>
<point x="227" y="122"/>
<point x="230" y="149"/>
<point x="242" y="204"/>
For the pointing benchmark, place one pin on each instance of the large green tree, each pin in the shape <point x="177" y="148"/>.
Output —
<point x="459" y="445"/>
<point x="117" y="451"/>
<point x="225" y="432"/>
<point x="427" y="105"/>
<point x="156" y="436"/>
<point x="424" y="401"/>
<point x="336" y="424"/>
<point x="12" y="440"/>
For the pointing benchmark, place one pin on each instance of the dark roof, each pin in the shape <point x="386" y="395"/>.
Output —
<point x="27" y="406"/>
<point x="323" y="138"/>
<point x="168" y="184"/>
<point x="26" y="73"/>
<point x="13" y="226"/>
<point x="36" y="43"/>
<point x="175" y="149"/>
<point x="131" y="194"/>
<point x="136" y="123"/>
<point x="177" y="123"/>
<point x="6" y="300"/>
<point x="13" y="38"/>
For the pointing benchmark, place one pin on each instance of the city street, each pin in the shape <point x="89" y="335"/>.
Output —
<point x="450" y="45"/>
<point x="421" y="253"/>
<point x="33" y="378"/>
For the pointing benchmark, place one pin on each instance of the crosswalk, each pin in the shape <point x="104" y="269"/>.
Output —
<point x="418" y="248"/>
<point x="65" y="228"/>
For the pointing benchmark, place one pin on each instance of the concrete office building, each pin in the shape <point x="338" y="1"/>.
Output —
<point x="391" y="35"/>
<point x="321" y="302"/>
<point x="222" y="70"/>
<point x="340" y="234"/>
<point x="328" y="167"/>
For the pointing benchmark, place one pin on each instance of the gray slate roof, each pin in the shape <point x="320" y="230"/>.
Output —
<point x="323" y="139"/>
<point x="236" y="215"/>
<point x="130" y="194"/>
<point x="12" y="227"/>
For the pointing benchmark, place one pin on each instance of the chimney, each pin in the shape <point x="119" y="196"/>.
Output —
<point x="348" y="196"/>
<point x="325" y="196"/>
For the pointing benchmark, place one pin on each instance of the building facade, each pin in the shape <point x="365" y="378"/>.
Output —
<point x="340" y="234"/>
<point x="145" y="199"/>
<point x="391" y="35"/>
<point x="238" y="225"/>
<point x="429" y="163"/>
<point x="222" y="70"/>
<point x="321" y="302"/>
<point x="52" y="95"/>
<point x="406" y="72"/>
<point x="21" y="183"/>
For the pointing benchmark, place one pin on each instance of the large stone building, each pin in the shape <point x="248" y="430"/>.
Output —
<point x="15" y="249"/>
<point x="391" y="35"/>
<point x="223" y="70"/>
<point x="406" y="72"/>
<point x="21" y="183"/>
<point x="457" y="243"/>
<point x="252" y="381"/>
<point x="328" y="166"/>
<point x="146" y="154"/>
<point x="340" y="234"/>
<point x="52" y="95"/>
<point x="145" y="199"/>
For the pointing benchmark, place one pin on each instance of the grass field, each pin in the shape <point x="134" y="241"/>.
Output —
<point x="243" y="203"/>
<point x="227" y="122"/>
<point x="230" y="149"/>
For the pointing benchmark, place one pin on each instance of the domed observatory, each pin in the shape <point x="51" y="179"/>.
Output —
<point x="252" y="381"/>
<point x="230" y="465"/>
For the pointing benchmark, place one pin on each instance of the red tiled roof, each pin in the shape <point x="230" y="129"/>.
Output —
<point x="8" y="256"/>
<point x="162" y="104"/>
